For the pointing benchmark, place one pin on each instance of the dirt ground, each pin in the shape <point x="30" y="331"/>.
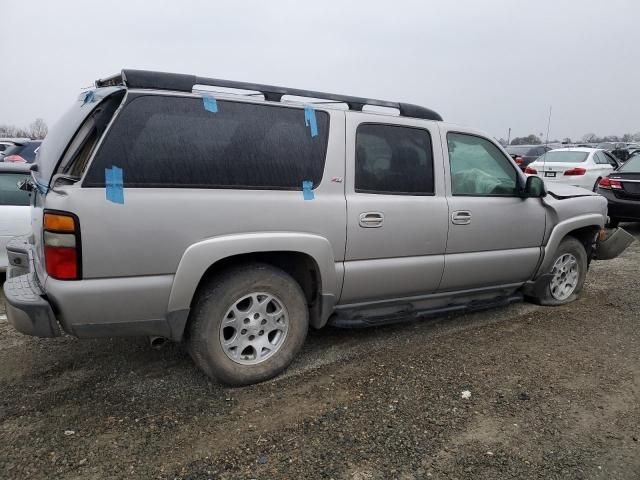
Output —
<point x="554" y="393"/>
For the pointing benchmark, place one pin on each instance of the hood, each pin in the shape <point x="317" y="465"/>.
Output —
<point x="559" y="190"/>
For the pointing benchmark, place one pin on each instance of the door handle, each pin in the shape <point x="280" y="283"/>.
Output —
<point x="371" y="219"/>
<point x="461" y="217"/>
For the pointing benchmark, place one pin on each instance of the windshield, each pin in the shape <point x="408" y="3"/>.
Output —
<point x="563" y="156"/>
<point x="518" y="150"/>
<point x="606" y="146"/>
<point x="9" y="192"/>
<point x="631" y="165"/>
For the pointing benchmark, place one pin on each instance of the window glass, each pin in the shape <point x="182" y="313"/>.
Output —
<point x="478" y="167"/>
<point x="9" y="192"/>
<point x="174" y="141"/>
<point x="631" y="165"/>
<point x="564" y="156"/>
<point x="393" y="160"/>
<point x="511" y="150"/>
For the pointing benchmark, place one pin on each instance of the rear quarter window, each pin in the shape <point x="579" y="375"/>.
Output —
<point x="9" y="192"/>
<point x="162" y="141"/>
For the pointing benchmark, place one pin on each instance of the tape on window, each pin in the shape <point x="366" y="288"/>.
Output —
<point x="307" y="190"/>
<point x="210" y="104"/>
<point x="310" y="119"/>
<point x="114" y="184"/>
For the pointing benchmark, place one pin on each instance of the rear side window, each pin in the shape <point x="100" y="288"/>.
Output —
<point x="9" y="192"/>
<point x="162" y="141"/>
<point x="393" y="160"/>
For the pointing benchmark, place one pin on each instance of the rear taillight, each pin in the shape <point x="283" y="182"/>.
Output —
<point x="519" y="160"/>
<point x="531" y="171"/>
<point x="607" y="183"/>
<point x="14" y="159"/>
<point x="575" y="171"/>
<point x="62" y="245"/>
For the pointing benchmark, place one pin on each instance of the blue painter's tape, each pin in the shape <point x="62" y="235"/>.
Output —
<point x="307" y="190"/>
<point x="310" y="119"/>
<point x="114" y="184"/>
<point x="41" y="187"/>
<point x="210" y="104"/>
<point x="89" y="97"/>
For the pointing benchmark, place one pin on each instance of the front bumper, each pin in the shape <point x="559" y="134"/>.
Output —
<point x="612" y="243"/>
<point x="27" y="309"/>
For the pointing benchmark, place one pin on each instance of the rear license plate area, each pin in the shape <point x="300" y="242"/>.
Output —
<point x="549" y="174"/>
<point x="631" y="187"/>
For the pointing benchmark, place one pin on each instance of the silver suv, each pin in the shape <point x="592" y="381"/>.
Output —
<point x="234" y="221"/>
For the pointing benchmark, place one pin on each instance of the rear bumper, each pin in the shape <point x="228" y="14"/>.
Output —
<point x="621" y="208"/>
<point x="27" y="309"/>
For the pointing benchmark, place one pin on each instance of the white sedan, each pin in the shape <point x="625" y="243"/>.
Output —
<point x="581" y="167"/>
<point x="14" y="206"/>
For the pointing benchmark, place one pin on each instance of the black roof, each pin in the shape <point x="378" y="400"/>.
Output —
<point x="184" y="83"/>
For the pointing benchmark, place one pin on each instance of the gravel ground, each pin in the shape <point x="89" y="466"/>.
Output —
<point x="554" y="393"/>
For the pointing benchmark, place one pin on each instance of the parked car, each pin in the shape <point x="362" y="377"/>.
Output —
<point x="618" y="149"/>
<point x="525" y="154"/>
<point x="622" y="191"/>
<point x="7" y="143"/>
<point x="234" y="223"/>
<point x="15" y="217"/>
<point x="22" y="152"/>
<point x="580" y="167"/>
<point x="633" y="149"/>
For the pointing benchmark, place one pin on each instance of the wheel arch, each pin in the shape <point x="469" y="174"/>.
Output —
<point x="307" y="258"/>
<point x="584" y="228"/>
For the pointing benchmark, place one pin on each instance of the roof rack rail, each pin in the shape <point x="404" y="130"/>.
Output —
<point x="184" y="83"/>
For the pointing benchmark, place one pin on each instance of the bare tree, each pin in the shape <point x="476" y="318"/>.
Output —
<point x="38" y="129"/>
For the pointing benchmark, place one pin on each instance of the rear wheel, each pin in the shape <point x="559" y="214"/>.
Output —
<point x="567" y="275"/>
<point x="248" y="324"/>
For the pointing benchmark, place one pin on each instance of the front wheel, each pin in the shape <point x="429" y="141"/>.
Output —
<point x="567" y="275"/>
<point x="248" y="324"/>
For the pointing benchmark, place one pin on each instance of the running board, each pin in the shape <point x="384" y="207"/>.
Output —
<point x="408" y="315"/>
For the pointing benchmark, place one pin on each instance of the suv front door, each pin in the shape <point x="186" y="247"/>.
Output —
<point x="495" y="235"/>
<point x="396" y="209"/>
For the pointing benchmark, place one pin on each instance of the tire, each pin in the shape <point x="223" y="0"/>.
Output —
<point x="613" y="222"/>
<point x="234" y="296"/>
<point x="569" y="247"/>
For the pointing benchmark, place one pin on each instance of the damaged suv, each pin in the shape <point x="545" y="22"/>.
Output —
<point x="233" y="222"/>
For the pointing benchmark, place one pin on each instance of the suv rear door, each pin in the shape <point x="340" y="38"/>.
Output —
<point x="396" y="209"/>
<point x="494" y="234"/>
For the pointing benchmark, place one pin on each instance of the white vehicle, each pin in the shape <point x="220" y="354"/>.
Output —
<point x="15" y="218"/>
<point x="580" y="167"/>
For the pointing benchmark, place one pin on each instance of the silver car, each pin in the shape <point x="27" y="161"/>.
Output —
<point x="233" y="223"/>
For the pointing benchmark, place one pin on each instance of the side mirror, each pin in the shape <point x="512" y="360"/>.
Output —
<point x="534" y="188"/>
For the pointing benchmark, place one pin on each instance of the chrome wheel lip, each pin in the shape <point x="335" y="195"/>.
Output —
<point x="254" y="328"/>
<point x="565" y="273"/>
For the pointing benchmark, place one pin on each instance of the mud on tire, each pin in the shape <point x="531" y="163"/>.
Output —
<point x="252" y="345"/>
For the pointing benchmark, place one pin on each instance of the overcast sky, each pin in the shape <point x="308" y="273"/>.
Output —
<point x="490" y="64"/>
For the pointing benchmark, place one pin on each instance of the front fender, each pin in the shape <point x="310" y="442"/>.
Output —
<point x="200" y="256"/>
<point x="561" y="230"/>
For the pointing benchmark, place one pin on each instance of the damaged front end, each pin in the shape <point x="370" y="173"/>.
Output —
<point x="611" y="243"/>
